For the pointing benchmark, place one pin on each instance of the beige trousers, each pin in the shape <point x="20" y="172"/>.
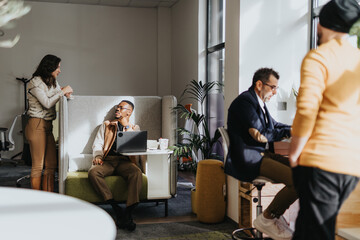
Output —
<point x="121" y="166"/>
<point x="42" y="146"/>
<point x="276" y="167"/>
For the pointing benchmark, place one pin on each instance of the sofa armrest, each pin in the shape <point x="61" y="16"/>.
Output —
<point x="63" y="156"/>
<point x="169" y="125"/>
<point x="169" y="119"/>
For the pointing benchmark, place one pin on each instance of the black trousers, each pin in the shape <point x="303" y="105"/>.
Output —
<point x="321" y="195"/>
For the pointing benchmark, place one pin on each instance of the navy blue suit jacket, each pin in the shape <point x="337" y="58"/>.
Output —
<point x="245" y="153"/>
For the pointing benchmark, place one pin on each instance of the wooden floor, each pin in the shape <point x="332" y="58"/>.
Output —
<point x="349" y="216"/>
<point x="189" y="176"/>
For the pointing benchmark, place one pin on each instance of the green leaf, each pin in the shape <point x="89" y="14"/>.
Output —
<point x="197" y="141"/>
<point x="355" y="30"/>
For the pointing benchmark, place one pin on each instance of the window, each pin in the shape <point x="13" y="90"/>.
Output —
<point x="215" y="61"/>
<point x="316" y="6"/>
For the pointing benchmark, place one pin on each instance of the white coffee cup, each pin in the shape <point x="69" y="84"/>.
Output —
<point x="164" y="143"/>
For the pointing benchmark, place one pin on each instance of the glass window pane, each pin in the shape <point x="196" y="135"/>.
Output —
<point x="322" y="2"/>
<point x="317" y="4"/>
<point x="216" y="98"/>
<point x="216" y="24"/>
<point x="216" y="66"/>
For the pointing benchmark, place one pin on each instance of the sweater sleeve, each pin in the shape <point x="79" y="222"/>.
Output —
<point x="40" y="94"/>
<point x="98" y="145"/>
<point x="313" y="81"/>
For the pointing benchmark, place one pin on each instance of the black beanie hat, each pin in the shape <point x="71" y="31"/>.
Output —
<point x="339" y="15"/>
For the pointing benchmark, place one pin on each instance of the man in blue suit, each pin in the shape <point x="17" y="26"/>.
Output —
<point x="252" y="132"/>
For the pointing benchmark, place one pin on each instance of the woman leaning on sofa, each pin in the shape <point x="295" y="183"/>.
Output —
<point x="43" y="93"/>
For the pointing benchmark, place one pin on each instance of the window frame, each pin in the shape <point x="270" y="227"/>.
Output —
<point x="210" y="49"/>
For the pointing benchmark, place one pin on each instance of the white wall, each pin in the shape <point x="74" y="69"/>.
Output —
<point x="104" y="51"/>
<point x="164" y="51"/>
<point x="184" y="48"/>
<point x="274" y="33"/>
<point x="264" y="33"/>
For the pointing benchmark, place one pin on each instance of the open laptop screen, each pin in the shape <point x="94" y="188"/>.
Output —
<point x="135" y="141"/>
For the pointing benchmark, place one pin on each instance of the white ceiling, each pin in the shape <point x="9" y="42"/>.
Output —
<point x="117" y="3"/>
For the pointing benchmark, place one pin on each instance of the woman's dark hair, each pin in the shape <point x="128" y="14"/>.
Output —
<point x="48" y="64"/>
<point x="263" y="75"/>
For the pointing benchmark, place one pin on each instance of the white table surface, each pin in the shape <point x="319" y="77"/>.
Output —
<point x="33" y="214"/>
<point x="149" y="152"/>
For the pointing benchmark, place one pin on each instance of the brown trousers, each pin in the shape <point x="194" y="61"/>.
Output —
<point x="276" y="167"/>
<point x="121" y="166"/>
<point x="42" y="146"/>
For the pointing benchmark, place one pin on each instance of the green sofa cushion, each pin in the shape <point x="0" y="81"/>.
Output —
<point x="78" y="185"/>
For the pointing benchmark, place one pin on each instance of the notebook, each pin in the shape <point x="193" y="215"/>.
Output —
<point x="127" y="142"/>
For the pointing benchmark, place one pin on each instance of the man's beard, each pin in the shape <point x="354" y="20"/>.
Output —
<point x="267" y="97"/>
<point x="117" y="115"/>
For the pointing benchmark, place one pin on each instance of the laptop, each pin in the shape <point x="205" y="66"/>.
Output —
<point x="128" y="142"/>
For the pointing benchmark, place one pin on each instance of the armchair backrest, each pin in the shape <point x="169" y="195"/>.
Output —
<point x="225" y="142"/>
<point x="10" y="144"/>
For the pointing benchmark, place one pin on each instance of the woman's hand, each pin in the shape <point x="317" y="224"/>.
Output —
<point x="68" y="95"/>
<point x="67" y="90"/>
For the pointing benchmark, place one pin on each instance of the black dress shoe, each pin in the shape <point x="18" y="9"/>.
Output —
<point x="130" y="225"/>
<point x="126" y="221"/>
<point x="126" y="224"/>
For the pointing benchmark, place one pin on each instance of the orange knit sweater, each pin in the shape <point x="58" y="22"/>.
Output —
<point x="328" y="108"/>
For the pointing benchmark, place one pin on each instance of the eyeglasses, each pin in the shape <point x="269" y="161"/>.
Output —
<point x="273" y="87"/>
<point x="121" y="108"/>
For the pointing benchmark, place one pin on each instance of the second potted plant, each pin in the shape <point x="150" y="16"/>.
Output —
<point x="197" y="144"/>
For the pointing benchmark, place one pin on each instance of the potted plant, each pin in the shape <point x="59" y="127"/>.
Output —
<point x="198" y="144"/>
<point x="355" y="30"/>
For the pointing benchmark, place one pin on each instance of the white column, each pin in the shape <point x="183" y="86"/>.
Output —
<point x="232" y="89"/>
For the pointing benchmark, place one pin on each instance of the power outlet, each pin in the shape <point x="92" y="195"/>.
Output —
<point x="282" y="106"/>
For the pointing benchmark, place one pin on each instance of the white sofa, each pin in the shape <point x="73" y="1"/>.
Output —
<point x="79" y="120"/>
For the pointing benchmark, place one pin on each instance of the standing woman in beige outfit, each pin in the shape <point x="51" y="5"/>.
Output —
<point x="44" y="92"/>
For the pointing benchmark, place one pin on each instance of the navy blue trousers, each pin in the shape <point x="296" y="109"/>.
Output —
<point x="321" y="195"/>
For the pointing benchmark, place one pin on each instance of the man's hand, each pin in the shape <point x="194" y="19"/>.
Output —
<point x="297" y="144"/>
<point x="97" y="161"/>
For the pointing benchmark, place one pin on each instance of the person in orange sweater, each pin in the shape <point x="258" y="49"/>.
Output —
<point x="324" y="151"/>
